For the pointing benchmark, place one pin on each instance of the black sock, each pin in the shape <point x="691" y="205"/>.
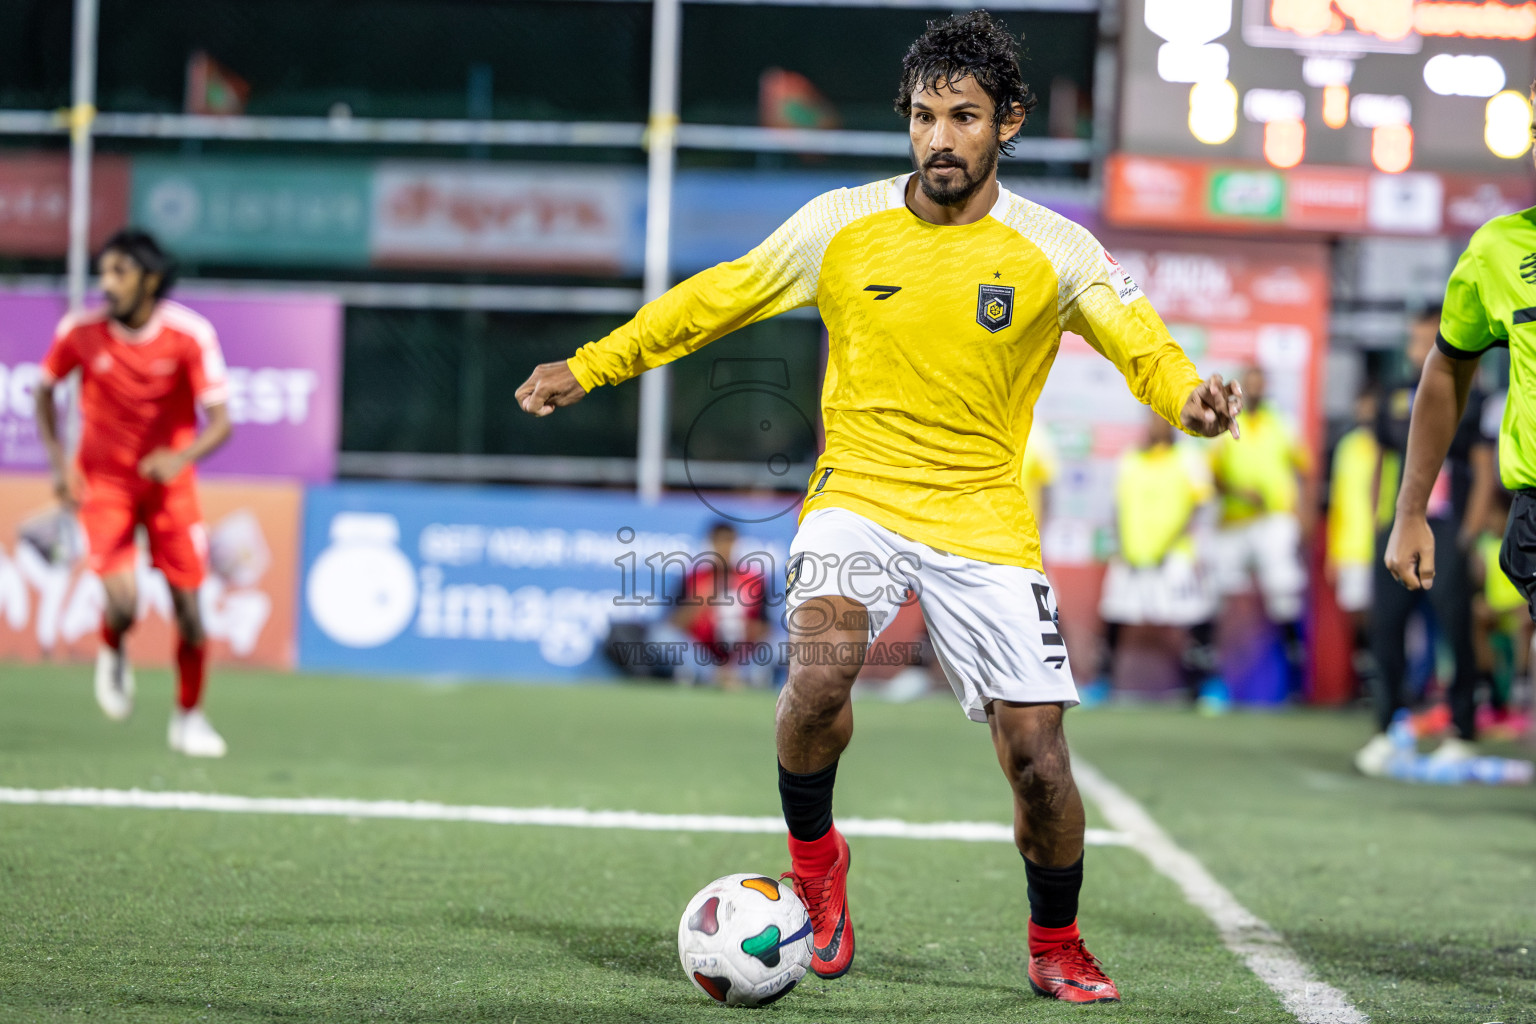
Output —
<point x="1053" y="893"/>
<point x="807" y="801"/>
<point x="1111" y="645"/>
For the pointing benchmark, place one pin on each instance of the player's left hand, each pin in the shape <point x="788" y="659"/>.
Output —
<point x="1213" y="407"/>
<point x="162" y="465"/>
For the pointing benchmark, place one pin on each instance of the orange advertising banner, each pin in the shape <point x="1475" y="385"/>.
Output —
<point x="51" y="609"/>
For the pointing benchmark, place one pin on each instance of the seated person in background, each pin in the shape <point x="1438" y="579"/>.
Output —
<point x="1155" y="579"/>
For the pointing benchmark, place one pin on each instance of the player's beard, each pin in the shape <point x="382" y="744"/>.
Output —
<point x="955" y="193"/>
<point x="121" y="312"/>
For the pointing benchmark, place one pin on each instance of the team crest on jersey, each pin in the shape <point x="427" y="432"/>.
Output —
<point x="1528" y="269"/>
<point x="994" y="306"/>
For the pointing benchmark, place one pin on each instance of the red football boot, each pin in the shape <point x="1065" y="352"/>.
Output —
<point x="823" y="888"/>
<point x="1067" y="971"/>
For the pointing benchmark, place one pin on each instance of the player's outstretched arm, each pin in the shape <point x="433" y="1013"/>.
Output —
<point x="550" y="387"/>
<point x="1213" y="408"/>
<point x="1437" y="409"/>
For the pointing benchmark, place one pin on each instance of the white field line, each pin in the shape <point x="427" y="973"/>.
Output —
<point x="1262" y="948"/>
<point x="563" y="817"/>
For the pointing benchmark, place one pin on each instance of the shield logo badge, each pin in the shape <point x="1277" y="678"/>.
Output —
<point x="994" y="306"/>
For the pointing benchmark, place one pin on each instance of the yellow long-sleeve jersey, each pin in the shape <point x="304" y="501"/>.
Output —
<point x="940" y="341"/>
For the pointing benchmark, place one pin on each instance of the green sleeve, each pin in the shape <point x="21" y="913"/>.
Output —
<point x="1465" y="331"/>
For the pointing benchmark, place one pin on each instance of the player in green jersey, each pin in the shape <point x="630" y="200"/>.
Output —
<point x="1489" y="302"/>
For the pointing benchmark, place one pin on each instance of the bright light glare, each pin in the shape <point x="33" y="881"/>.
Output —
<point x="1188" y="62"/>
<point x="1213" y="111"/>
<point x="1507" y="128"/>
<point x="1377" y="110"/>
<point x="1285" y="143"/>
<point x="1336" y="106"/>
<point x="1324" y="71"/>
<point x="1463" y="74"/>
<point x="1266" y="105"/>
<point x="1392" y="148"/>
<point x="1189" y="21"/>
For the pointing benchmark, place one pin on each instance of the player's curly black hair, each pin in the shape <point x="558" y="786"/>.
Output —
<point x="972" y="45"/>
<point x="141" y="247"/>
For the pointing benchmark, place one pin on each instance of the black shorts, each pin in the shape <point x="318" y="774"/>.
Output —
<point x="1517" y="556"/>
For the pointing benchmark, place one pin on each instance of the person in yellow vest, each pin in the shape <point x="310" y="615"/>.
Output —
<point x="1038" y="471"/>
<point x="1155" y="578"/>
<point x="1351" y="553"/>
<point x="1259" y="482"/>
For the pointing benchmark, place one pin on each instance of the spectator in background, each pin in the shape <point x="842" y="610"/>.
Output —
<point x="722" y="609"/>
<point x="1259" y="481"/>
<point x="1351" y="557"/>
<point x="1038" y="471"/>
<point x="1458" y="507"/>
<point x="1155" y="579"/>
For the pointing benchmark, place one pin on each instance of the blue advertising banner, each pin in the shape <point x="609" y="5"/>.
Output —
<point x="504" y="582"/>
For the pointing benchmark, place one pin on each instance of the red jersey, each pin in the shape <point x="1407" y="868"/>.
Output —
<point x="139" y="390"/>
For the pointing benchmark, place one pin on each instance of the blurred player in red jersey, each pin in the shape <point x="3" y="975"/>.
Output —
<point x="146" y="364"/>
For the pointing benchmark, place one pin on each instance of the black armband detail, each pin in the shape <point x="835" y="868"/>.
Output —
<point x="1451" y="351"/>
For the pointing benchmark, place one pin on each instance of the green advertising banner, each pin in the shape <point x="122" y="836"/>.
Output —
<point x="314" y="213"/>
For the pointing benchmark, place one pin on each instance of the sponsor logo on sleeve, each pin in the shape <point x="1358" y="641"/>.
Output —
<point x="1128" y="290"/>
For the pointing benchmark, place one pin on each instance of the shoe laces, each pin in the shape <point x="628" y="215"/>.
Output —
<point x="1076" y="954"/>
<point x="813" y="893"/>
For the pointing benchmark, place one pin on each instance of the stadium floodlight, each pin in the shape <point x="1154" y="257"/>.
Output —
<point x="1464" y="74"/>
<point x="1507" y="125"/>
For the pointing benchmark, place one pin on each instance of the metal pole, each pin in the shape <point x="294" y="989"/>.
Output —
<point x="82" y="112"/>
<point x="666" y="25"/>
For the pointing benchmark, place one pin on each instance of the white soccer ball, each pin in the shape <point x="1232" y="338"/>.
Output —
<point x="745" y="940"/>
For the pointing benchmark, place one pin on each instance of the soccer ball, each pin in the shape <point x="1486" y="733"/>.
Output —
<point x="745" y="940"/>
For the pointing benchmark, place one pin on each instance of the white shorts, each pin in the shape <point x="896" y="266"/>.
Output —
<point x="1175" y="593"/>
<point x="993" y="626"/>
<point x="1268" y="548"/>
<point x="1352" y="587"/>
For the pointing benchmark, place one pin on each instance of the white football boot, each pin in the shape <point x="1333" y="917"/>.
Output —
<point x="114" y="683"/>
<point x="191" y="734"/>
<point x="1373" y="758"/>
<point x="1453" y="750"/>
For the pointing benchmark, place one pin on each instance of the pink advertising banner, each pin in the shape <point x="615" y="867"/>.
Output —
<point x="284" y="358"/>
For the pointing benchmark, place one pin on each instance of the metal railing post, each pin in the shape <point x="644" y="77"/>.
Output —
<point x="666" y="29"/>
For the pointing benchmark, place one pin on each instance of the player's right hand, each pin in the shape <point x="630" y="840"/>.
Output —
<point x="551" y="386"/>
<point x="1411" y="552"/>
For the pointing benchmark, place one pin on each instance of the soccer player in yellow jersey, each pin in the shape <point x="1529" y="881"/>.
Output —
<point x="945" y="297"/>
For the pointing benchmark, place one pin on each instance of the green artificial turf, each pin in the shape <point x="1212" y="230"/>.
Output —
<point x="1414" y="901"/>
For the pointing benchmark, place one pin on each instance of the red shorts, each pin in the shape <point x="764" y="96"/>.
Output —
<point x="178" y="545"/>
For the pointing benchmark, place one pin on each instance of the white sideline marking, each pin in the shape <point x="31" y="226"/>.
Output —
<point x="1262" y="948"/>
<point x="564" y="817"/>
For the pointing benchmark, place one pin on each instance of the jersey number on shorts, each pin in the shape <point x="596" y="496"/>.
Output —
<point x="1052" y="638"/>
